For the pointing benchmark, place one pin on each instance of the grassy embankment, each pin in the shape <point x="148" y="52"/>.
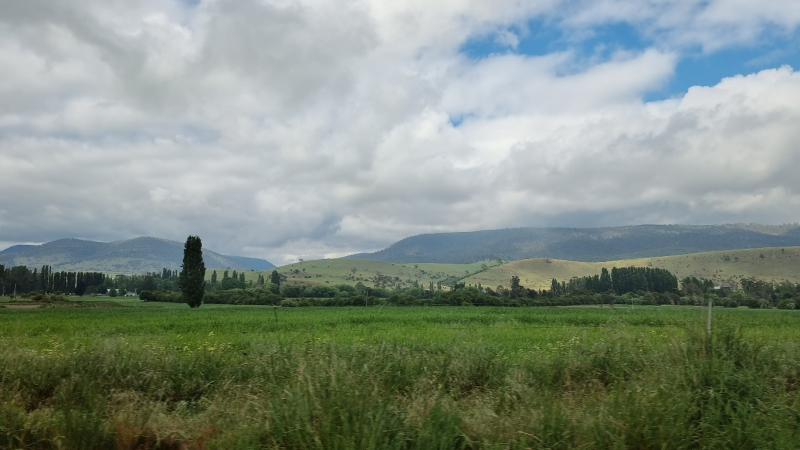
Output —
<point x="255" y="377"/>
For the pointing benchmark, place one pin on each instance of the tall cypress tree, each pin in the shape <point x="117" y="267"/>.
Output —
<point x="193" y="272"/>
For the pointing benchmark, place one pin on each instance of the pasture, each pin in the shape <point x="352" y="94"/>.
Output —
<point x="163" y="376"/>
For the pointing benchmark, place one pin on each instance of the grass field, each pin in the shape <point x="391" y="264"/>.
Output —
<point x="163" y="376"/>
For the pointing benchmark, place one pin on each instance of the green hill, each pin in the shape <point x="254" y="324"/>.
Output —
<point x="777" y="264"/>
<point x="352" y="271"/>
<point x="138" y="255"/>
<point x="771" y="264"/>
<point x="584" y="244"/>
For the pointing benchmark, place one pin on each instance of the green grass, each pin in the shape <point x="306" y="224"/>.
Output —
<point x="381" y="377"/>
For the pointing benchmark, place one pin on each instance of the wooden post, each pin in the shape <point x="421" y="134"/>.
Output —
<point x="708" y="325"/>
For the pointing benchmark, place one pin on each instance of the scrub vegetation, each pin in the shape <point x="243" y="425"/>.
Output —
<point x="161" y="377"/>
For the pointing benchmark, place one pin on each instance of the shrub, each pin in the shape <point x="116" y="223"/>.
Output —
<point x="787" y="303"/>
<point x="160" y="296"/>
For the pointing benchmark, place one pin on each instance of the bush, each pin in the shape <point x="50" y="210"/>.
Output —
<point x="161" y="296"/>
<point x="252" y="296"/>
<point x="787" y="303"/>
<point x="755" y="303"/>
<point x="292" y="291"/>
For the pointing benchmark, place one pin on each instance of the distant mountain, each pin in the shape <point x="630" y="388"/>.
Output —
<point x="583" y="244"/>
<point x="253" y="263"/>
<point x="16" y="249"/>
<point x="138" y="255"/>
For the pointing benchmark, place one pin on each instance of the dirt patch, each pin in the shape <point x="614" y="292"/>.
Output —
<point x="101" y="304"/>
<point x="63" y="305"/>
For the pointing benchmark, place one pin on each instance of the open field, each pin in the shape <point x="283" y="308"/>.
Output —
<point x="163" y="376"/>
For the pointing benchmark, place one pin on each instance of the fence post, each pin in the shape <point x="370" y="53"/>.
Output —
<point x="708" y="325"/>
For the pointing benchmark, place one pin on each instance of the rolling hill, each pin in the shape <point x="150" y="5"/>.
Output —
<point x="138" y="255"/>
<point x="770" y="264"/>
<point x="252" y="263"/>
<point x="353" y="271"/>
<point x="583" y="244"/>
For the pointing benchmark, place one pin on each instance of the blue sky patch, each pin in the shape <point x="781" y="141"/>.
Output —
<point x="694" y="68"/>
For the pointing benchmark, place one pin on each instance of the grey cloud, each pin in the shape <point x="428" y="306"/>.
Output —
<point x="320" y="129"/>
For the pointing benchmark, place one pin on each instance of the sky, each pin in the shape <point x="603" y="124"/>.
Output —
<point x="320" y="128"/>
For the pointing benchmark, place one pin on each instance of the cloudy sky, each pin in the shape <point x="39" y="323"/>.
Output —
<point x="317" y="128"/>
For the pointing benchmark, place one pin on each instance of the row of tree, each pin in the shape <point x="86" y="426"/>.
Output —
<point x="620" y="280"/>
<point x="22" y="280"/>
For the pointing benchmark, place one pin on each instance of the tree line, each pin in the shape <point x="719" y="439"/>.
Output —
<point x="627" y="285"/>
<point x="22" y="280"/>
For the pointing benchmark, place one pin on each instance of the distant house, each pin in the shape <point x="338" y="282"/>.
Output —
<point x="726" y="286"/>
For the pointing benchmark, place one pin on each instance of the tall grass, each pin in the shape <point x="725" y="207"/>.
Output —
<point x="692" y="393"/>
<point x="406" y="378"/>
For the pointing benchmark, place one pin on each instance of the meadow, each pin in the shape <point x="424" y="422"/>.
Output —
<point x="161" y="376"/>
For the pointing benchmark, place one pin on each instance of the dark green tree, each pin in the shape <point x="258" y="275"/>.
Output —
<point x="193" y="272"/>
<point x="275" y="278"/>
<point x="516" y="290"/>
<point x="605" y="281"/>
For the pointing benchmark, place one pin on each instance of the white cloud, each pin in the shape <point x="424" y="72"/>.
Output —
<point x="311" y="129"/>
<point x="710" y="24"/>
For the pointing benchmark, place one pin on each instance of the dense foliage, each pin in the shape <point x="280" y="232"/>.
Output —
<point x="633" y="286"/>
<point x="193" y="272"/>
<point x="21" y="280"/>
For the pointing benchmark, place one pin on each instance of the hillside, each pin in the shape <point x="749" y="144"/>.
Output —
<point x="777" y="264"/>
<point x="138" y="255"/>
<point x="352" y="271"/>
<point x="252" y="263"/>
<point x="583" y="244"/>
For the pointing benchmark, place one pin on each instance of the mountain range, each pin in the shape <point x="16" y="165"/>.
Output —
<point x="138" y="255"/>
<point x="583" y="244"/>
